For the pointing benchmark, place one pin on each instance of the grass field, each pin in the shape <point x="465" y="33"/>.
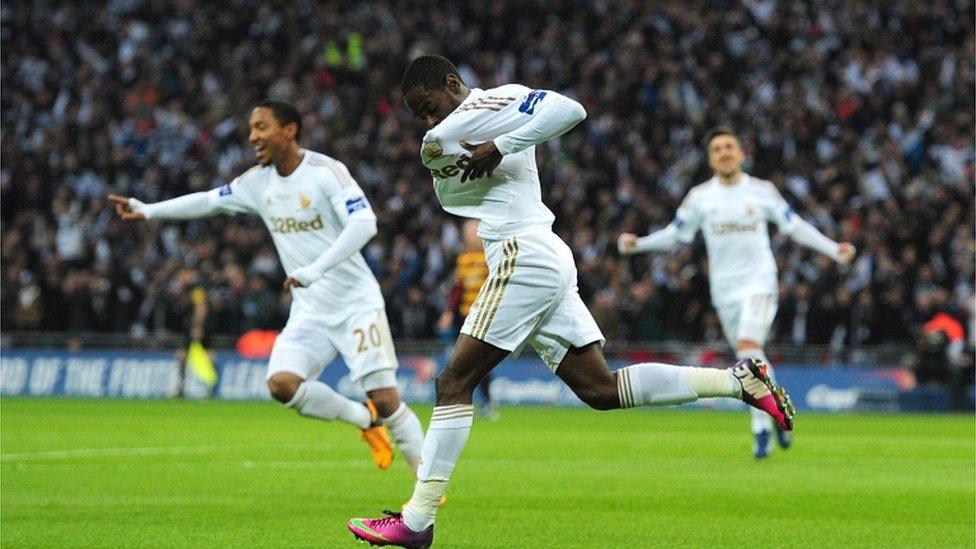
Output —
<point x="223" y="474"/>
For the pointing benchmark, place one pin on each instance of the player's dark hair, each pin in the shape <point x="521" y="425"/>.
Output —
<point x="285" y="113"/>
<point x="717" y="131"/>
<point x="427" y="71"/>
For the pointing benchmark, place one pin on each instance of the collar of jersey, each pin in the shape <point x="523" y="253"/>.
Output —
<point x="745" y="179"/>
<point x="274" y="171"/>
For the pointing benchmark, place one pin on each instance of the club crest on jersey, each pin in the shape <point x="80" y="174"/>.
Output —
<point x="304" y="201"/>
<point x="750" y="210"/>
<point x="432" y="150"/>
<point x="531" y="100"/>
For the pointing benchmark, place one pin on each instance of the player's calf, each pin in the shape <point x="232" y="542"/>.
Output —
<point x="601" y="397"/>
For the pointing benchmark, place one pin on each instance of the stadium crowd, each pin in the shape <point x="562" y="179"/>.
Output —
<point x="861" y="113"/>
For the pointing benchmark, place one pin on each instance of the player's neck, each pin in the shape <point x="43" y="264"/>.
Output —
<point x="461" y="95"/>
<point x="290" y="161"/>
<point x="731" y="179"/>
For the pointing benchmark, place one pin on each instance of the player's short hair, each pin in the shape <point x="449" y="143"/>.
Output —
<point x="717" y="131"/>
<point x="285" y="113"/>
<point x="428" y="71"/>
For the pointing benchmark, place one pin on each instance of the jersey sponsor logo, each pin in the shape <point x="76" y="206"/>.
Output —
<point x="451" y="170"/>
<point x="355" y="204"/>
<point x="288" y="225"/>
<point x="531" y="100"/>
<point x="734" y="227"/>
<point x="225" y="190"/>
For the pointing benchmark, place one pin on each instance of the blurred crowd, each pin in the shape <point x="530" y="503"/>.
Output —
<point x="861" y="113"/>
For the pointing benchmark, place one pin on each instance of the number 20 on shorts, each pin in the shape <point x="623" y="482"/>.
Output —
<point x="374" y="338"/>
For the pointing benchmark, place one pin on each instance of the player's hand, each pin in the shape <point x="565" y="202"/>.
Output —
<point x="846" y="251"/>
<point x="626" y="243"/>
<point x="302" y="277"/>
<point x="291" y="283"/>
<point x="123" y="208"/>
<point x="484" y="159"/>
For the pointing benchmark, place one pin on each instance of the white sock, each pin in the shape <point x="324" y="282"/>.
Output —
<point x="446" y="436"/>
<point x="759" y="420"/>
<point x="656" y="383"/>
<point x="316" y="399"/>
<point x="407" y="433"/>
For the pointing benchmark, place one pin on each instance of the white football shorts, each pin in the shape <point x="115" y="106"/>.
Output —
<point x="308" y="344"/>
<point x="748" y="315"/>
<point x="531" y="297"/>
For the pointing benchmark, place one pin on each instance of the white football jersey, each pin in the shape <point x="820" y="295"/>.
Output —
<point x="510" y="200"/>
<point x="305" y="212"/>
<point x="733" y="220"/>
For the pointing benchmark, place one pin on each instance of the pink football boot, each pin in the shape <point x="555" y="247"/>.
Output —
<point x="390" y="530"/>
<point x="760" y="391"/>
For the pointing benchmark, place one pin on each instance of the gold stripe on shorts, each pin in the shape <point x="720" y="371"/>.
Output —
<point x="490" y="296"/>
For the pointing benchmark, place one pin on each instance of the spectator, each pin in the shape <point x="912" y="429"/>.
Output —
<point x="872" y="136"/>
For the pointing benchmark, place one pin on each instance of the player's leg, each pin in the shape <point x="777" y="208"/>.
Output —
<point x="367" y="348"/>
<point x="751" y="329"/>
<point x="447" y="433"/>
<point x="585" y="371"/>
<point x="760" y="424"/>
<point x="730" y="313"/>
<point x="298" y="355"/>
<point x="372" y="362"/>
<point x="449" y="427"/>
<point x="569" y="341"/>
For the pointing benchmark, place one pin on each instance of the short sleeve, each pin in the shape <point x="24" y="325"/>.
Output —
<point x="687" y="220"/>
<point x="347" y="198"/>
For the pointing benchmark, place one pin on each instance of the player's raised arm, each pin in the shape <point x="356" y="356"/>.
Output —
<point x="550" y="114"/>
<point x="805" y="234"/>
<point x="547" y="114"/>
<point x="359" y="226"/>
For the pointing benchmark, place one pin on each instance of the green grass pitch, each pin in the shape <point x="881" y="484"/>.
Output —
<point x="83" y="473"/>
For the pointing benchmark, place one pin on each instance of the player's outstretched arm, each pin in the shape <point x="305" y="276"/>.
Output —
<point x="353" y="237"/>
<point x="189" y="206"/>
<point x="807" y="235"/>
<point x="658" y="241"/>
<point x="127" y="208"/>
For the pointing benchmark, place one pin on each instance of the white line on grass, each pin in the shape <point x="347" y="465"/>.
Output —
<point x="127" y="452"/>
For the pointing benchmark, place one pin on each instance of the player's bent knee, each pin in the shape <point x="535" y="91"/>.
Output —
<point x="600" y="398"/>
<point x="283" y="386"/>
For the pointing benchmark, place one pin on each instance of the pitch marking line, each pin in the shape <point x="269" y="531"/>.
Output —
<point x="128" y="452"/>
